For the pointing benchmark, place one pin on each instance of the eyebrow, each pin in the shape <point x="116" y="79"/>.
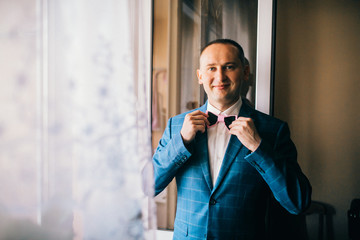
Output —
<point x="227" y="63"/>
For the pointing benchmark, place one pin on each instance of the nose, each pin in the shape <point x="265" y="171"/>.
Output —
<point x="220" y="75"/>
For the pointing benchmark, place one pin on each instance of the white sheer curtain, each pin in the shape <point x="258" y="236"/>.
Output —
<point x="74" y="123"/>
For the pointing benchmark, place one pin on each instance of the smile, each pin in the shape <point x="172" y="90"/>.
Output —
<point x="221" y="86"/>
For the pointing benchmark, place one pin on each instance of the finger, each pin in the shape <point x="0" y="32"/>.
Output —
<point x="198" y="112"/>
<point x="198" y="115"/>
<point x="237" y="124"/>
<point x="245" y="118"/>
<point x="199" y="127"/>
<point x="242" y="121"/>
<point x="198" y="122"/>
<point x="190" y="118"/>
<point x="235" y="132"/>
<point x="199" y="118"/>
<point x="207" y="122"/>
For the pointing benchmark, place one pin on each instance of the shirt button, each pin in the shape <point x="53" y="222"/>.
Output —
<point x="212" y="201"/>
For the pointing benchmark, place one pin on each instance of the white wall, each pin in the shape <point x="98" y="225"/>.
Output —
<point x="317" y="90"/>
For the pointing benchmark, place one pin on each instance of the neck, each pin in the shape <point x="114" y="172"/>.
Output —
<point x="223" y="106"/>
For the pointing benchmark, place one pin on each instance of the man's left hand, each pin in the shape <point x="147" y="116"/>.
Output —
<point x="245" y="130"/>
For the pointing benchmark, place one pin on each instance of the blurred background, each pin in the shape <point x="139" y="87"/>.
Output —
<point x="74" y="122"/>
<point x="87" y="87"/>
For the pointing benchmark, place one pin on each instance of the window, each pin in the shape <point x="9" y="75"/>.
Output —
<point x="181" y="29"/>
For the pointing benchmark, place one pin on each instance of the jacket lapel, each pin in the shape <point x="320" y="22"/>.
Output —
<point x="232" y="151"/>
<point x="234" y="148"/>
<point x="202" y="146"/>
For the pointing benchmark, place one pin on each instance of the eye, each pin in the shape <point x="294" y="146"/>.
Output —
<point x="229" y="67"/>
<point x="211" y="69"/>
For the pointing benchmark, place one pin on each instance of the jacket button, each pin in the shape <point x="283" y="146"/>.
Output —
<point x="212" y="201"/>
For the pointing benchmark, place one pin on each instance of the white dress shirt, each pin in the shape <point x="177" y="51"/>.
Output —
<point x="218" y="138"/>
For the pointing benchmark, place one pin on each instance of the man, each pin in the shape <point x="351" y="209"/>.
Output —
<point x="226" y="171"/>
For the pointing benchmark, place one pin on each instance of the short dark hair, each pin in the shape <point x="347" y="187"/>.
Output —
<point x="227" y="41"/>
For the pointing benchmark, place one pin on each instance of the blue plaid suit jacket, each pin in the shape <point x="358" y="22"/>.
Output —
<point x="235" y="207"/>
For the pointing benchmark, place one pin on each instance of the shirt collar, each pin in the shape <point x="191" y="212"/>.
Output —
<point x="232" y="110"/>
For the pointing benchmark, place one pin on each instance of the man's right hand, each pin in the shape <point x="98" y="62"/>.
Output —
<point x="193" y="122"/>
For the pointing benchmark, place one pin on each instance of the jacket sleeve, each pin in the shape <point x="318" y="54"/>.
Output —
<point x="170" y="155"/>
<point x="279" y="168"/>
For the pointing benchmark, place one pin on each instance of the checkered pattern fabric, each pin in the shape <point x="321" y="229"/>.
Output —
<point x="235" y="207"/>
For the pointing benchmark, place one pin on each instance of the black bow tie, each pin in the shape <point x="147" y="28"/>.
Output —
<point x="214" y="119"/>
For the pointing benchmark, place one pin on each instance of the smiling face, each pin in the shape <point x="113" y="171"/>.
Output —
<point x="221" y="73"/>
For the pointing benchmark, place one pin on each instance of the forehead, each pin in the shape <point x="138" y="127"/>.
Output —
<point x="219" y="53"/>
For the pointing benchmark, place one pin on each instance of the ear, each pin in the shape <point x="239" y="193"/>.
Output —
<point x="199" y="76"/>
<point x="246" y="72"/>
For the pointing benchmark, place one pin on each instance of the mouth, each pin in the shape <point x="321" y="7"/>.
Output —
<point x="221" y="87"/>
